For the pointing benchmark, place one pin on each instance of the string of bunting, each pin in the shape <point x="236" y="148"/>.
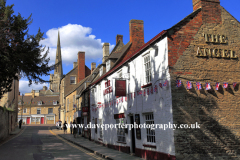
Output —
<point x="144" y="92"/>
<point x="189" y="85"/>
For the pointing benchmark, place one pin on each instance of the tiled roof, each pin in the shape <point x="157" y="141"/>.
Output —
<point x="46" y="100"/>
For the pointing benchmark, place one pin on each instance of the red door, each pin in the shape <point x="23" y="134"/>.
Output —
<point x="28" y="120"/>
<point x="42" y="120"/>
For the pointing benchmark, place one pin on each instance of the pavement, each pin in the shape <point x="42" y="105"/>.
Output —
<point x="95" y="148"/>
<point x="15" y="132"/>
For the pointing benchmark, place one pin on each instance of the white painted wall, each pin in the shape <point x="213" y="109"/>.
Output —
<point x="160" y="104"/>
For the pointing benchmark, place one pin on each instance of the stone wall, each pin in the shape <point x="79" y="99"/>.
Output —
<point x="7" y="123"/>
<point x="217" y="112"/>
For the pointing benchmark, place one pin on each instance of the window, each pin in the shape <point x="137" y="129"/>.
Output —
<point x="24" y="110"/>
<point x="120" y="74"/>
<point x="39" y="102"/>
<point x="73" y="98"/>
<point x="68" y="104"/>
<point x="38" y="110"/>
<point x="108" y="65"/>
<point x="101" y="71"/>
<point x="150" y="133"/>
<point x="50" y="118"/>
<point x="33" y="119"/>
<point x="147" y="68"/>
<point x="120" y="130"/>
<point x="54" y="102"/>
<point x="72" y="80"/>
<point x="100" y="129"/>
<point x="50" y="110"/>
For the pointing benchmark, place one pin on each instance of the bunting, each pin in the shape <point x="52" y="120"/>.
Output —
<point x="208" y="86"/>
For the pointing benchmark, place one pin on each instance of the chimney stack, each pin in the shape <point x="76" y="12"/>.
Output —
<point x="74" y="64"/>
<point x="119" y="37"/>
<point x="211" y="10"/>
<point x="93" y="66"/>
<point x="105" y="51"/>
<point x="44" y="88"/>
<point x="81" y="66"/>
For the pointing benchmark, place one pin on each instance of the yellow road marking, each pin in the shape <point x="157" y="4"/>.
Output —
<point x="75" y="146"/>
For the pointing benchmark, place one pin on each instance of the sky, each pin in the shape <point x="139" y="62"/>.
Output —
<point x="84" y="25"/>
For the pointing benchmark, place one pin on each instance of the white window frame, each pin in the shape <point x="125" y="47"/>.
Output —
<point x="48" y="110"/>
<point x="101" y="71"/>
<point x="39" y="102"/>
<point x="147" y="68"/>
<point x="54" y="102"/>
<point x="24" y="110"/>
<point x="72" y="81"/>
<point x="150" y="133"/>
<point x="38" y="110"/>
<point x="108" y="65"/>
<point x="120" y="130"/>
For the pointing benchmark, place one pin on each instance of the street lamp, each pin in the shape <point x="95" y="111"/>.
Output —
<point x="22" y="107"/>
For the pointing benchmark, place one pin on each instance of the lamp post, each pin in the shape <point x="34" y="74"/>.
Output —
<point x="22" y="107"/>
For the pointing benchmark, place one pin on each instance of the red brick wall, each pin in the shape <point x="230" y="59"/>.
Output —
<point x="153" y="155"/>
<point x="181" y="38"/>
<point x="211" y="10"/>
<point x="87" y="71"/>
<point x="136" y="36"/>
<point x="81" y="66"/>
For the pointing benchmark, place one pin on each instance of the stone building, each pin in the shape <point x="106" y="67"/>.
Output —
<point x="39" y="107"/>
<point x="185" y="76"/>
<point x="69" y="87"/>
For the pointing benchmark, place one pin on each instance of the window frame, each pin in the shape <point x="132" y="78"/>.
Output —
<point x="150" y="134"/>
<point x="25" y="109"/>
<point x="108" y="65"/>
<point x="71" y="80"/>
<point x="54" y="102"/>
<point x="39" y="103"/>
<point x="48" y="110"/>
<point x="121" y="137"/>
<point x="147" y="68"/>
<point x="38" y="109"/>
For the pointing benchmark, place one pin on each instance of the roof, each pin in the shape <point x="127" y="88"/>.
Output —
<point x="153" y="40"/>
<point x="46" y="100"/>
<point x="145" y="46"/>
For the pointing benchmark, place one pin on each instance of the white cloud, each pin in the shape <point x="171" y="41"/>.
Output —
<point x="73" y="38"/>
<point x="24" y="88"/>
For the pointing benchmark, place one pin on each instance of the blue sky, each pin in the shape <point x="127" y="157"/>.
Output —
<point x="85" y="24"/>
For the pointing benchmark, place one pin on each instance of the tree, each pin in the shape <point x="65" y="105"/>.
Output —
<point x="20" y="53"/>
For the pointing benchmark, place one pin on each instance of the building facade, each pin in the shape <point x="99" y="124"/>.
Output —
<point x="186" y="76"/>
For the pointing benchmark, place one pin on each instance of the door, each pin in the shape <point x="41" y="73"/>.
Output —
<point x="28" y="120"/>
<point x="132" y="135"/>
<point x="42" y="120"/>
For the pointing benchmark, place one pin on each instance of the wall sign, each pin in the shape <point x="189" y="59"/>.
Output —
<point x="120" y="87"/>
<point x="215" y="52"/>
<point x="108" y="88"/>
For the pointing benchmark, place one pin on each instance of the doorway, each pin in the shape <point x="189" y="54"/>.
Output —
<point x="132" y="135"/>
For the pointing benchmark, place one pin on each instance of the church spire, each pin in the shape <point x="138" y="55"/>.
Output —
<point x="58" y="69"/>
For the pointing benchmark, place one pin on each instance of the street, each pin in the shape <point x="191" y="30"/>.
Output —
<point x="39" y="143"/>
